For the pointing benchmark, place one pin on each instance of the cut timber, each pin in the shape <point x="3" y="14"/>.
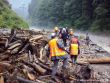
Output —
<point x="104" y="60"/>
<point x="99" y="60"/>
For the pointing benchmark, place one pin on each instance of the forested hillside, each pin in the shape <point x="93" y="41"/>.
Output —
<point x="91" y="15"/>
<point x="9" y="19"/>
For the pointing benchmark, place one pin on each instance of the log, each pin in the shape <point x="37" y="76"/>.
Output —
<point x="103" y="60"/>
<point x="5" y="65"/>
<point x="11" y="44"/>
<point x="1" y="79"/>
<point x="29" y="72"/>
<point x="47" y="68"/>
<point x="39" y="69"/>
<point x="14" y="46"/>
<point x="22" y="80"/>
<point x="29" y="75"/>
<point x="36" y="38"/>
<point x="36" y="67"/>
<point x="12" y="35"/>
<point x="43" y="65"/>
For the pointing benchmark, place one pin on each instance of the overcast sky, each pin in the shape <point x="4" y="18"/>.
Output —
<point x="19" y="3"/>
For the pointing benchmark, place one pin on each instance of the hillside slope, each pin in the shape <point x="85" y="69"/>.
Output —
<point x="93" y="15"/>
<point x="9" y="19"/>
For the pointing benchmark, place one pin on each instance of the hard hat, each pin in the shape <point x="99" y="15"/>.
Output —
<point x="56" y="28"/>
<point x="71" y="32"/>
<point x="53" y="35"/>
<point x="64" y="29"/>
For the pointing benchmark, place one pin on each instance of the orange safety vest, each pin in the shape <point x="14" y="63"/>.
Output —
<point x="74" y="49"/>
<point x="54" y="49"/>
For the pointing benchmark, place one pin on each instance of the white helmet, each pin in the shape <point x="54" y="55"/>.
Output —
<point x="53" y="35"/>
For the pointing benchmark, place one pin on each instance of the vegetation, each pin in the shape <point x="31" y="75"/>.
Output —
<point x="81" y="14"/>
<point x="9" y="19"/>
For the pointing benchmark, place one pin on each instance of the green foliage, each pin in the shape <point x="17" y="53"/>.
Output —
<point x="101" y="25"/>
<point x="9" y="19"/>
<point x="91" y="15"/>
<point x="100" y="11"/>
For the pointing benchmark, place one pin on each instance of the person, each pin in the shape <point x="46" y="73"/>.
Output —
<point x="71" y="33"/>
<point x="87" y="39"/>
<point x="56" y="31"/>
<point x="64" y="35"/>
<point x="74" y="49"/>
<point x="57" y="52"/>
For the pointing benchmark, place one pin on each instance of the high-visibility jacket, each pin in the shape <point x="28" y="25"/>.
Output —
<point x="74" y="49"/>
<point x="74" y="40"/>
<point x="54" y="49"/>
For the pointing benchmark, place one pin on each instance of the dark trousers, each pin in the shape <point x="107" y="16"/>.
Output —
<point x="64" y="41"/>
<point x="74" y="58"/>
<point x="55" y="66"/>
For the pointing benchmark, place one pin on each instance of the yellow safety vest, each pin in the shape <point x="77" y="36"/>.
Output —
<point x="74" y="49"/>
<point x="54" y="49"/>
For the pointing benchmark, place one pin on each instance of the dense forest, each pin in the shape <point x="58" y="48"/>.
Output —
<point x="91" y="15"/>
<point x="8" y="18"/>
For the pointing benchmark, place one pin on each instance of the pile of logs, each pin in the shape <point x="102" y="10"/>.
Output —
<point x="23" y="60"/>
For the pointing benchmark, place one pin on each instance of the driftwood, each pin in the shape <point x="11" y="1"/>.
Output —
<point x="1" y="79"/>
<point x="25" y="52"/>
<point x="103" y="60"/>
<point x="22" y="80"/>
<point x="37" y="68"/>
<point x="28" y="74"/>
<point x="5" y="66"/>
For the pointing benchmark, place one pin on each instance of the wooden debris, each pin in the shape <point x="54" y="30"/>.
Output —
<point x="1" y="79"/>
<point x="23" y="60"/>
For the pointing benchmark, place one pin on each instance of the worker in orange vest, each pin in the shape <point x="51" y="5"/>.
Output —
<point x="74" y="49"/>
<point x="57" y="52"/>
